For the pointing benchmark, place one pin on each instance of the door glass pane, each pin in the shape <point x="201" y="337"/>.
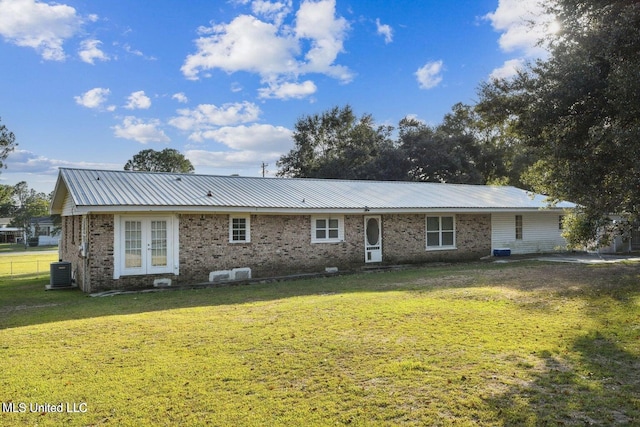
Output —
<point x="133" y="244"/>
<point x="158" y="243"/>
<point x="373" y="231"/>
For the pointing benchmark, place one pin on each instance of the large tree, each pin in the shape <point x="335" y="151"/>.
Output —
<point x="28" y="204"/>
<point x="7" y="143"/>
<point x="167" y="160"/>
<point x="438" y="154"/>
<point x="338" y="144"/>
<point x="580" y="109"/>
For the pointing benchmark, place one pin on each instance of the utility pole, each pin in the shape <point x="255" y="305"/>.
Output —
<point x="264" y="168"/>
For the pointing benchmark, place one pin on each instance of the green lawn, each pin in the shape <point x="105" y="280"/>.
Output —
<point x="26" y="263"/>
<point x="21" y="248"/>
<point x="478" y="344"/>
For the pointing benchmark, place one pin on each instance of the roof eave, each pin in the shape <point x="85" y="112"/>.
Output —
<point x="81" y="210"/>
<point x="60" y="192"/>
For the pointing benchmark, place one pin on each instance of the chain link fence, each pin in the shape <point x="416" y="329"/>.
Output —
<point x="17" y="267"/>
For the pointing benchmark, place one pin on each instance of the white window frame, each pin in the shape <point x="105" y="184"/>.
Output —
<point x="519" y="227"/>
<point x="119" y="268"/>
<point x="440" y="231"/>
<point x="247" y="219"/>
<point x="327" y="218"/>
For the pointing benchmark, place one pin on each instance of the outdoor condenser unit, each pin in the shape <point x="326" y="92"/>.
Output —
<point x="60" y="274"/>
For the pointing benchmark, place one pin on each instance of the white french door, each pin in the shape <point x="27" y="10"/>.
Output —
<point x="146" y="245"/>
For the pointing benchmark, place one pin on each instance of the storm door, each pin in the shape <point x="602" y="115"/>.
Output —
<point x="372" y="239"/>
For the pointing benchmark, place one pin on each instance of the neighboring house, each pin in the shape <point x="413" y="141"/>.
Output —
<point x="124" y="229"/>
<point x="9" y="234"/>
<point x="44" y="229"/>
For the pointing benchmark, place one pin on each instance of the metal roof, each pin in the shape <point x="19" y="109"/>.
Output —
<point x="92" y="190"/>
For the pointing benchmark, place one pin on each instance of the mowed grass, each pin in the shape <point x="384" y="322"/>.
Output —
<point x="477" y="344"/>
<point x="15" y="264"/>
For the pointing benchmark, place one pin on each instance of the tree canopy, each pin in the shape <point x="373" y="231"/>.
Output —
<point x="337" y="144"/>
<point x="579" y="110"/>
<point x="21" y="204"/>
<point x="167" y="160"/>
<point x="7" y="143"/>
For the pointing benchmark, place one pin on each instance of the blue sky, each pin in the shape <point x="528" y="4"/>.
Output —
<point x="91" y="83"/>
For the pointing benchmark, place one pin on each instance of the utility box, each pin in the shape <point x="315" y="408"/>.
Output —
<point x="502" y="252"/>
<point x="60" y="275"/>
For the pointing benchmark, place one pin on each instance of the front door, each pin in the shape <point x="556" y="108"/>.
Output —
<point x="372" y="239"/>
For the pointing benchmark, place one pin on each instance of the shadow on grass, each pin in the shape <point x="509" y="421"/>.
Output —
<point x="601" y="387"/>
<point x="24" y="301"/>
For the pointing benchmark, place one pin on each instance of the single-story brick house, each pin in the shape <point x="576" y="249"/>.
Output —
<point x="124" y="229"/>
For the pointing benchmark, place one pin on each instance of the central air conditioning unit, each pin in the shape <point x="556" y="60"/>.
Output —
<point x="60" y="275"/>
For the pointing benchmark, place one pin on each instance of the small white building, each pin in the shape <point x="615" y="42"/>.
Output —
<point x="45" y="230"/>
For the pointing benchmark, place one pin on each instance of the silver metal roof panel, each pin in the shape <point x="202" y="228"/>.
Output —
<point x="104" y="188"/>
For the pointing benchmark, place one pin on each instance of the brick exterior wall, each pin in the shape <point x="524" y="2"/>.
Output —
<point x="404" y="239"/>
<point x="280" y="245"/>
<point x="68" y="248"/>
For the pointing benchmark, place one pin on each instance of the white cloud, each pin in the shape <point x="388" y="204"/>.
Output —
<point x="508" y="69"/>
<point x="245" y="148"/>
<point x="384" y="30"/>
<point x="256" y="137"/>
<point x="138" y="100"/>
<point x="207" y="116"/>
<point x="95" y="99"/>
<point x="274" y="50"/>
<point x="522" y="24"/>
<point x="236" y="87"/>
<point x="180" y="97"/>
<point x="41" y="26"/>
<point x="136" y="52"/>
<point x="228" y="160"/>
<point x="273" y="11"/>
<point x="245" y="44"/>
<point x="24" y="161"/>
<point x="90" y="51"/>
<point x="316" y="21"/>
<point x="288" y="90"/>
<point x="429" y="76"/>
<point x="140" y="131"/>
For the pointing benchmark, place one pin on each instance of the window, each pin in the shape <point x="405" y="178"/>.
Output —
<point x="145" y="245"/>
<point x="327" y="229"/>
<point x="561" y="222"/>
<point x="43" y="231"/>
<point x="239" y="229"/>
<point x="518" y="227"/>
<point x="441" y="232"/>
